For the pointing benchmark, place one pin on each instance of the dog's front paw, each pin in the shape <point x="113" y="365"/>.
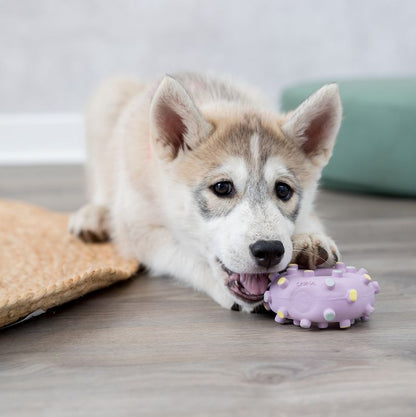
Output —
<point x="314" y="250"/>
<point x="90" y="223"/>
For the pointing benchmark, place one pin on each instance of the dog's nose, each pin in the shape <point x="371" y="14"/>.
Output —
<point x="267" y="253"/>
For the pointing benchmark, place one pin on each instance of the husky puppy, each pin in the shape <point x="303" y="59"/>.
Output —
<point x="199" y="178"/>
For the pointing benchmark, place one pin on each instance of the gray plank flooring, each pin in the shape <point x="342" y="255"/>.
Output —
<point x="150" y="347"/>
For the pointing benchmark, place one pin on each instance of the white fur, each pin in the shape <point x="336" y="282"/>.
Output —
<point x="275" y="169"/>
<point x="255" y="150"/>
<point x="246" y="225"/>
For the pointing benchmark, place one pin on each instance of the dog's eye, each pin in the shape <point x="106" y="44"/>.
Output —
<point x="223" y="189"/>
<point x="283" y="191"/>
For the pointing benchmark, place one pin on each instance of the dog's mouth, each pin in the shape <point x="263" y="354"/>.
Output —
<point x="248" y="287"/>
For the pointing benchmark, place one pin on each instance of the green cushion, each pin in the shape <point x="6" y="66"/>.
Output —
<point x="376" y="147"/>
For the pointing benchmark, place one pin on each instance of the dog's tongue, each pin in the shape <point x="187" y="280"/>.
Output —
<point x="254" y="283"/>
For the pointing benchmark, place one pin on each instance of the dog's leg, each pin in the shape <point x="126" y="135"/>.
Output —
<point x="172" y="259"/>
<point x="163" y="255"/>
<point x="312" y="247"/>
<point x="91" y="222"/>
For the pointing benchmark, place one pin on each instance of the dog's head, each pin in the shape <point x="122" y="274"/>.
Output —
<point x="239" y="178"/>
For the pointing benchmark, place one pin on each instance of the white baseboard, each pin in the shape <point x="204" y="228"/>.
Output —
<point x="44" y="138"/>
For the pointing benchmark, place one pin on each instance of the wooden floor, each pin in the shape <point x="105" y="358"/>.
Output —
<point x="149" y="347"/>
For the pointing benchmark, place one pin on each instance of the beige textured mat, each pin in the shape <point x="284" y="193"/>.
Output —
<point x="42" y="265"/>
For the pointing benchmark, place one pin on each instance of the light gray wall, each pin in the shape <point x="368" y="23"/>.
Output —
<point x="53" y="52"/>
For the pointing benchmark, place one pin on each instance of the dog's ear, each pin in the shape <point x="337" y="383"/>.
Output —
<point x="314" y="125"/>
<point x="175" y="121"/>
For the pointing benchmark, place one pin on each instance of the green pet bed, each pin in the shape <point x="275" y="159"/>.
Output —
<point x="376" y="147"/>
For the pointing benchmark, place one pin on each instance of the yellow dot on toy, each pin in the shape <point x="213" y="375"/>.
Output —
<point x="281" y="281"/>
<point x="367" y="276"/>
<point x="281" y="314"/>
<point x="353" y="295"/>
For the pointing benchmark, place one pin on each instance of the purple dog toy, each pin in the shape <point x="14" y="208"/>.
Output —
<point x="336" y="295"/>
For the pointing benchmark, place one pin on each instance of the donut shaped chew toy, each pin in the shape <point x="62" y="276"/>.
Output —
<point x="334" y="295"/>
